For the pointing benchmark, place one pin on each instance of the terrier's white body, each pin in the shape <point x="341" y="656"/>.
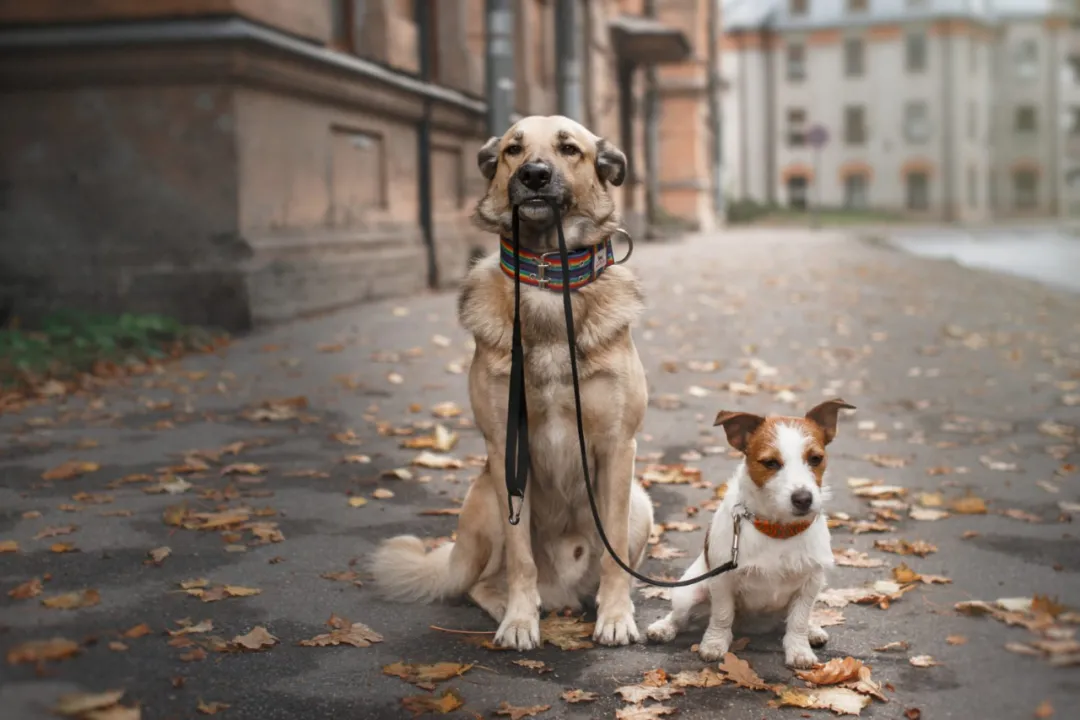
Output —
<point x="780" y="481"/>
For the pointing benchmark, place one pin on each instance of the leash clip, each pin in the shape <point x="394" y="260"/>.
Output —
<point x="629" y="241"/>
<point x="515" y="509"/>
<point x="738" y="514"/>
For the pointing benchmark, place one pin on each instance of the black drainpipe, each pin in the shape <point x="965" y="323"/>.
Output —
<point x="422" y="15"/>
<point x="947" y="155"/>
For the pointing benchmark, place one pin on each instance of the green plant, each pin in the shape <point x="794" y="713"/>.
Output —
<point x="69" y="343"/>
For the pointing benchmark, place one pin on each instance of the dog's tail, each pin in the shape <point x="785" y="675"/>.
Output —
<point x="406" y="572"/>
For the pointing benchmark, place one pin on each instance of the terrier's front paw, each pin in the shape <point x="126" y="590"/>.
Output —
<point x="798" y="655"/>
<point x="818" y="637"/>
<point x="714" y="645"/>
<point x="662" y="631"/>
<point x="616" y="627"/>
<point x="519" y="633"/>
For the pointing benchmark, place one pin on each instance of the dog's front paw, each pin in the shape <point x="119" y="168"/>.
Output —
<point x="798" y="655"/>
<point x="714" y="645"/>
<point x="519" y="633"/>
<point x="818" y="637"/>
<point x="662" y="631"/>
<point x="616" y="626"/>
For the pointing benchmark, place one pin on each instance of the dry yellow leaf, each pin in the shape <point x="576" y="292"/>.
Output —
<point x="70" y="470"/>
<point x="37" y="651"/>
<point x="73" y="600"/>
<point x="357" y="501"/>
<point x="834" y="672"/>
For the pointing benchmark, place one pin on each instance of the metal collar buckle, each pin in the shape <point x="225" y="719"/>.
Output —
<point x="542" y="279"/>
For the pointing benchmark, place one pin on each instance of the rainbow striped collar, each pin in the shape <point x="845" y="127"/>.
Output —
<point x="544" y="270"/>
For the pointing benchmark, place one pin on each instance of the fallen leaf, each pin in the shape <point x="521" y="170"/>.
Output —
<point x="441" y="440"/>
<point x="517" y="713"/>
<point x="834" y="672"/>
<point x="70" y="470"/>
<point x="63" y="547"/>
<point x="188" y="629"/>
<point x="896" y="645"/>
<point x="212" y="708"/>
<point x="55" y="531"/>
<point x="1016" y="514"/>
<point x="37" y="651"/>
<point x="8" y="546"/>
<point x="922" y="661"/>
<point x="904" y="575"/>
<point x="919" y="548"/>
<point x="382" y="494"/>
<point x="73" y="600"/>
<point x="29" y="589"/>
<point x="887" y="461"/>
<point x="704" y="678"/>
<point x="441" y="511"/>
<point x="680" y="526"/>
<point x="437" y="461"/>
<point x="357" y="501"/>
<point x="118" y="646"/>
<point x="158" y="555"/>
<point x="79" y="703"/>
<point x="342" y="632"/>
<point x="842" y="701"/>
<point x="826" y="617"/>
<point x="446" y="409"/>
<point x="640" y="712"/>
<point x="739" y="672"/>
<point x="258" y="639"/>
<point x="956" y="640"/>
<point x="1044" y="710"/>
<point x="537" y="665"/>
<point x="913" y="714"/>
<point x="665" y="552"/>
<point x="637" y="694"/>
<point x="579" y="696"/>
<point x="670" y="475"/>
<point x="969" y="505"/>
<point x="342" y="576"/>
<point x="566" y="633"/>
<point x="853" y="558"/>
<point x="927" y="514"/>
<point x="448" y="702"/>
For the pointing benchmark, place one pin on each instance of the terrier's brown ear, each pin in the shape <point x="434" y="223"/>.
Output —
<point x="825" y="416"/>
<point x="739" y="426"/>
<point x="487" y="159"/>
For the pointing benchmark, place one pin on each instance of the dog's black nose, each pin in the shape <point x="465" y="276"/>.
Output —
<point x="801" y="500"/>
<point x="535" y="175"/>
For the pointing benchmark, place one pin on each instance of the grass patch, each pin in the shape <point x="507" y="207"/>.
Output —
<point x="70" y="344"/>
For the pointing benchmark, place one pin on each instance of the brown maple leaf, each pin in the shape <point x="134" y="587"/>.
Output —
<point x="579" y="696"/>
<point x="426" y="676"/>
<point x="37" y="651"/>
<point x="566" y="633"/>
<point x="342" y="632"/>
<point x="739" y="672"/>
<point x="834" y="672"/>
<point x="517" y="713"/>
<point x="31" y="588"/>
<point x="258" y="639"/>
<point x="641" y="712"/>
<point x="443" y="704"/>
<point x="70" y="470"/>
<point x="73" y="600"/>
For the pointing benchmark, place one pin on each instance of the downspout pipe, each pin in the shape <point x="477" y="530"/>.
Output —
<point x="567" y="59"/>
<point x="652" y="136"/>
<point x="424" y="27"/>
<point x="715" y="111"/>
<point x="499" y="65"/>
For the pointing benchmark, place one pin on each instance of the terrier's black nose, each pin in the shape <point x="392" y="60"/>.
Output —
<point x="801" y="500"/>
<point x="534" y="175"/>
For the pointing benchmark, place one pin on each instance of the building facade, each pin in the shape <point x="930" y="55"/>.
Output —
<point x="946" y="109"/>
<point x="237" y="162"/>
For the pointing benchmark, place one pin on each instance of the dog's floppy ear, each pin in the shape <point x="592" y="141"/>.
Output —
<point x="825" y="415"/>
<point x="739" y="426"/>
<point x="610" y="163"/>
<point x="488" y="158"/>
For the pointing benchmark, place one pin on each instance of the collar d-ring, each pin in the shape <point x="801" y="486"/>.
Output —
<point x="629" y="241"/>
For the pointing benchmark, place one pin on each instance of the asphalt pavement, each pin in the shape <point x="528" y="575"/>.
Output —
<point x="270" y="470"/>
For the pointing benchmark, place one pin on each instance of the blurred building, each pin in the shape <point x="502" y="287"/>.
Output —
<point x="962" y="110"/>
<point x="236" y="162"/>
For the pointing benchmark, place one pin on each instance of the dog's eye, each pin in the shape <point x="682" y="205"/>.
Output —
<point x="772" y="464"/>
<point x="814" y="460"/>
<point x="513" y="150"/>
<point x="569" y="150"/>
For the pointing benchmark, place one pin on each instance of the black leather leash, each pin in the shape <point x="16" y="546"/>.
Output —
<point x="517" y="420"/>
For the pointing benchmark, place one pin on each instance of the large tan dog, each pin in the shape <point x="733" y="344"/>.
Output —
<point x="553" y="558"/>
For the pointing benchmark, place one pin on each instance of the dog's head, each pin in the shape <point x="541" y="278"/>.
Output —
<point x="543" y="162"/>
<point x="785" y="457"/>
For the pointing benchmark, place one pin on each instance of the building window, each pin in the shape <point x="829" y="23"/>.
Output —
<point x="855" y="125"/>
<point x="1026" y="59"/>
<point x="918" y="191"/>
<point x="1025" y="189"/>
<point x="856" y="191"/>
<point x="796" y="62"/>
<point x="798" y="192"/>
<point x="916" y="122"/>
<point x="796" y="127"/>
<point x="857" y="6"/>
<point x="915" y="52"/>
<point x="854" y="57"/>
<point x="1026" y="120"/>
<point x="798" y="7"/>
<point x="346" y="19"/>
<point x="973" y="186"/>
<point x="1074" y="65"/>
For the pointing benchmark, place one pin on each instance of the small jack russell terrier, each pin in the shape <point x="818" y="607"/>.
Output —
<point x="775" y="501"/>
